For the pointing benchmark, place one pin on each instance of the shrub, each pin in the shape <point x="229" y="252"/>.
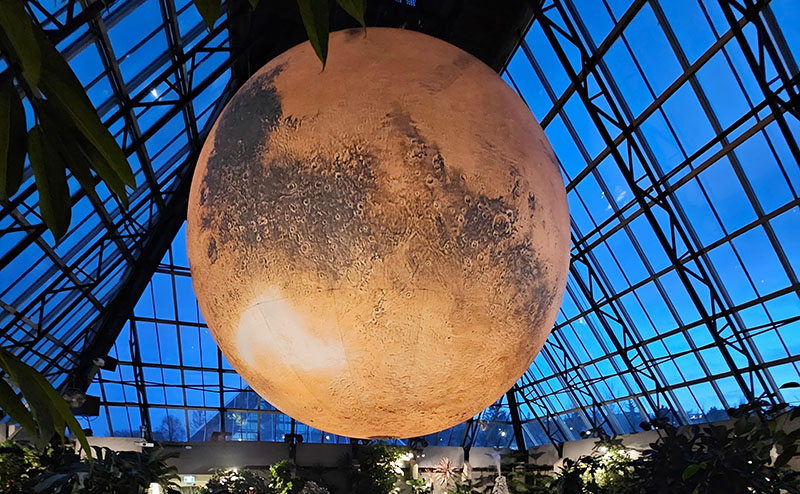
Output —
<point x="236" y="481"/>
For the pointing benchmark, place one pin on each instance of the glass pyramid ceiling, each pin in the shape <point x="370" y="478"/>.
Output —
<point x="53" y="296"/>
<point x="676" y="124"/>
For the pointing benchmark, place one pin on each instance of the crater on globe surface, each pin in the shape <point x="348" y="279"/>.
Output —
<point x="370" y="264"/>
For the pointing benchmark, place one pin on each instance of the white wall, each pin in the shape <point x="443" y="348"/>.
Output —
<point x="637" y="442"/>
<point x="116" y="443"/>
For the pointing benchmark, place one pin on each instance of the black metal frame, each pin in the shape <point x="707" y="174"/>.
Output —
<point x="138" y="247"/>
<point x="147" y="242"/>
<point x="605" y="105"/>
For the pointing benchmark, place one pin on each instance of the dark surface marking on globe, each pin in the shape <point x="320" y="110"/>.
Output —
<point x="315" y="211"/>
<point x="212" y="251"/>
<point x="482" y="224"/>
<point x="544" y="144"/>
<point x="464" y="60"/>
<point x="515" y="189"/>
<point x="448" y="72"/>
<point x="354" y="32"/>
<point x="243" y="128"/>
<point x="311" y="210"/>
<point x="328" y="214"/>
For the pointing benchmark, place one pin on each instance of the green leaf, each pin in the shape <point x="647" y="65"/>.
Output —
<point x="253" y="4"/>
<point x="19" y="373"/>
<point x="61" y="87"/>
<point x="742" y="427"/>
<point x="19" y="40"/>
<point x="99" y="164"/>
<point x="209" y="11"/>
<point x="784" y="457"/>
<point x="80" y="170"/>
<point x="12" y="405"/>
<point x="51" y="181"/>
<point x="78" y="153"/>
<point x="49" y="408"/>
<point x="68" y="149"/>
<point x="689" y="471"/>
<point x="52" y="480"/>
<point x="61" y="410"/>
<point x="13" y="139"/>
<point x="355" y="8"/>
<point x="315" y="17"/>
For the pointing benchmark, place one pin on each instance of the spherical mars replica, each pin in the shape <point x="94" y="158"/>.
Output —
<point x="379" y="248"/>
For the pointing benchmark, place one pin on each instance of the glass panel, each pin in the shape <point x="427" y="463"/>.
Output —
<point x="678" y="234"/>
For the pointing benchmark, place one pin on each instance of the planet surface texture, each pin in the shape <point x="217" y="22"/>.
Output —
<point x="379" y="248"/>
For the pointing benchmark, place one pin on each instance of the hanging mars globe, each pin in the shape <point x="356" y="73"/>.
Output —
<point x="380" y="247"/>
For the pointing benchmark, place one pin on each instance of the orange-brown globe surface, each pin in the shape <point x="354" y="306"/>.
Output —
<point x="379" y="248"/>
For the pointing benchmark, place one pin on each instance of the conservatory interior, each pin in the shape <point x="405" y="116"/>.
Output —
<point x="399" y="246"/>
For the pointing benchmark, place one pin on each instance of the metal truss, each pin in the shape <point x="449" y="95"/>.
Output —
<point x="156" y="210"/>
<point x="592" y="82"/>
<point x="70" y="314"/>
